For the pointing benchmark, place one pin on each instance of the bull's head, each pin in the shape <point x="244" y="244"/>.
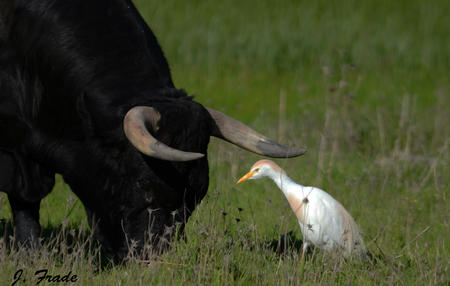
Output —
<point x="167" y="182"/>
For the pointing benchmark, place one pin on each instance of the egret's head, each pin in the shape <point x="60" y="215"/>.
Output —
<point x="261" y="169"/>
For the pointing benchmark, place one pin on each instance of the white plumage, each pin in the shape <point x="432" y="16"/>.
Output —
<point x="324" y="222"/>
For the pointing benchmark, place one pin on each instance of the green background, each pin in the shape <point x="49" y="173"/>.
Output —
<point x="363" y="84"/>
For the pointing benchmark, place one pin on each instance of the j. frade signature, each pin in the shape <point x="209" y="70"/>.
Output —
<point x="43" y="275"/>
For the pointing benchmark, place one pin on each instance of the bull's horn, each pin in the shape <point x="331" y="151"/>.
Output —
<point x="134" y="125"/>
<point x="243" y="136"/>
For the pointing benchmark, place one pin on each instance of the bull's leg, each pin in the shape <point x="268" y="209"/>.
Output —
<point x="26" y="222"/>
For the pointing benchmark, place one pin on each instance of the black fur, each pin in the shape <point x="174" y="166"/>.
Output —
<point x="69" y="72"/>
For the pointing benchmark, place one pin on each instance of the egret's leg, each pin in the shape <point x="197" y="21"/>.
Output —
<point x="302" y="260"/>
<point x="305" y="247"/>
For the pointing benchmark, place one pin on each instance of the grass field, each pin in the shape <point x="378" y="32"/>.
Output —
<point x="365" y="85"/>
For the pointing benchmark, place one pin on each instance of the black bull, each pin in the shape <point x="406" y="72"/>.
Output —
<point x="85" y="91"/>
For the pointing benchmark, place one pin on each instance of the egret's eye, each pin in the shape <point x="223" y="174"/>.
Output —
<point x="256" y="170"/>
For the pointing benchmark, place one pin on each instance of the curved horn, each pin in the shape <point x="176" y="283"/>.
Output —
<point x="243" y="136"/>
<point x="134" y="125"/>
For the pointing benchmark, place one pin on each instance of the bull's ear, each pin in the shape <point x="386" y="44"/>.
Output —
<point x="243" y="136"/>
<point x="13" y="133"/>
<point x="135" y="125"/>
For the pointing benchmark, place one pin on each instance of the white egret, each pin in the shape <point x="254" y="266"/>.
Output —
<point x="324" y="222"/>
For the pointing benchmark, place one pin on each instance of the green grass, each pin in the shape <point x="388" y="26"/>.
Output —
<point x="366" y="86"/>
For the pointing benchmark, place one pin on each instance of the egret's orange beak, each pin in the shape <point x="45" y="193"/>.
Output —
<point x="246" y="176"/>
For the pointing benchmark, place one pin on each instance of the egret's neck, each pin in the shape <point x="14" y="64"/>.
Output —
<point x="282" y="180"/>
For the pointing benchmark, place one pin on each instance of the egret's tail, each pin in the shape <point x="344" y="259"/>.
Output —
<point x="353" y="242"/>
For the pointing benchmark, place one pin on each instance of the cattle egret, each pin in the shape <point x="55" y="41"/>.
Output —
<point x="323" y="221"/>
